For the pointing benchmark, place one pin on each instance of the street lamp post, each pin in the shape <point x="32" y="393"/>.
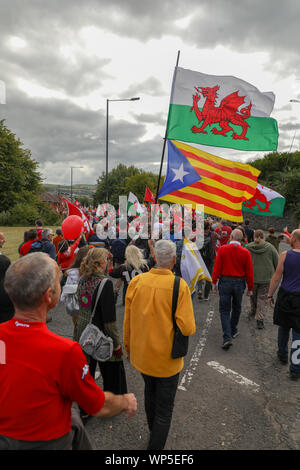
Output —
<point x="72" y="180"/>
<point x="106" y="172"/>
<point x="293" y="101"/>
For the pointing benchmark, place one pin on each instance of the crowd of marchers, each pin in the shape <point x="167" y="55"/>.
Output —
<point x="48" y="388"/>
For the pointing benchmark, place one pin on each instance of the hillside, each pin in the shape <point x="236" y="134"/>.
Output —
<point x="78" y="190"/>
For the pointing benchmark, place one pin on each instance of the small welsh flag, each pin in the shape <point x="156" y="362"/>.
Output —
<point x="265" y="202"/>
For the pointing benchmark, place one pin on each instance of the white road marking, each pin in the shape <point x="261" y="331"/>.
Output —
<point x="231" y="374"/>
<point x="187" y="377"/>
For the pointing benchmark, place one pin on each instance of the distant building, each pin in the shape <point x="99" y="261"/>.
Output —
<point x="54" y="201"/>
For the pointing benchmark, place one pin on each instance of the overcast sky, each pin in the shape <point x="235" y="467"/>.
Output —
<point x="61" y="60"/>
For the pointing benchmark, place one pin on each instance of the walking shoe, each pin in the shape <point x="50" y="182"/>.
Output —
<point x="205" y="298"/>
<point x="235" y="335"/>
<point x="260" y="324"/>
<point x="226" y="344"/>
<point x="294" y="375"/>
<point x="283" y="359"/>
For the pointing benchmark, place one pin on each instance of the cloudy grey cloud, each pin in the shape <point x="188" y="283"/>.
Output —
<point x="151" y="86"/>
<point x="59" y="132"/>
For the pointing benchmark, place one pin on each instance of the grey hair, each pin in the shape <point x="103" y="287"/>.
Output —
<point x="28" y="278"/>
<point x="46" y="232"/>
<point x="237" y="235"/>
<point x="165" y="250"/>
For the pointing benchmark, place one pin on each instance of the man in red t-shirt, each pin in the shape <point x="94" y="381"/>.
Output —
<point x="233" y="269"/>
<point x="223" y="232"/>
<point x="43" y="374"/>
<point x="39" y="228"/>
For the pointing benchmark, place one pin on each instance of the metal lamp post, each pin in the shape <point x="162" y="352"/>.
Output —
<point x="293" y="101"/>
<point x="107" y="112"/>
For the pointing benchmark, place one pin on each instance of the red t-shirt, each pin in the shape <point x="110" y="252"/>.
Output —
<point x="224" y="232"/>
<point x="234" y="260"/>
<point x="26" y="247"/>
<point x="39" y="233"/>
<point x="41" y="375"/>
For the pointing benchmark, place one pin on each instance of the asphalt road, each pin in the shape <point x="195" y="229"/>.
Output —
<point x="240" y="399"/>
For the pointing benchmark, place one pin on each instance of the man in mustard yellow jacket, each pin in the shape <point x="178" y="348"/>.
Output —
<point x="148" y="337"/>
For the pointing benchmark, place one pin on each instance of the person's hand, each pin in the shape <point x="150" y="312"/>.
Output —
<point x="271" y="301"/>
<point x="214" y="288"/>
<point x="250" y="293"/>
<point x="131" y="407"/>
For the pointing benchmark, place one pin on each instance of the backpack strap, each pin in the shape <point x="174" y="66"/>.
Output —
<point x="175" y="298"/>
<point x="101" y="285"/>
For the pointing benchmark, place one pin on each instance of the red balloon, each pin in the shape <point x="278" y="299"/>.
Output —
<point x="72" y="227"/>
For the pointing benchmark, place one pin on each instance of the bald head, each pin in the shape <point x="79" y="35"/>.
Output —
<point x="295" y="238"/>
<point x="236" y="235"/>
<point x="2" y="239"/>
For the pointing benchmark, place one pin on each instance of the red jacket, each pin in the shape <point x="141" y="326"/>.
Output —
<point x="26" y="247"/>
<point x="66" y="258"/>
<point x="234" y="260"/>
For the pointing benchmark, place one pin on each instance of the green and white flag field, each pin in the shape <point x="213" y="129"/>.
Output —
<point x="133" y="205"/>
<point x="265" y="202"/>
<point x="221" y="111"/>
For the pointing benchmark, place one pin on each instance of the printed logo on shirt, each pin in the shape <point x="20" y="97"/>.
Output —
<point x="85" y="371"/>
<point x="17" y="323"/>
<point x="2" y="352"/>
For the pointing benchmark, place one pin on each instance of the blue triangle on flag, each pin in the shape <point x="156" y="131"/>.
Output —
<point x="180" y="173"/>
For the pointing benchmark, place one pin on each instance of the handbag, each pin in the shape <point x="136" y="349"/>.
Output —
<point x="92" y="340"/>
<point x="69" y="298"/>
<point x="180" y="342"/>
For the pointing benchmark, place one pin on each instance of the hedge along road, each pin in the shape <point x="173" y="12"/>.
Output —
<point x="240" y="399"/>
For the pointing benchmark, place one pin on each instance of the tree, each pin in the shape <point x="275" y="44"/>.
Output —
<point x="281" y="172"/>
<point x="116" y="184"/>
<point x="19" y="177"/>
<point x="137" y="184"/>
<point x="20" y="183"/>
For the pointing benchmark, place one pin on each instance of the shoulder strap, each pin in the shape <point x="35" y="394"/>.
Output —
<point x="101" y="285"/>
<point x="175" y="297"/>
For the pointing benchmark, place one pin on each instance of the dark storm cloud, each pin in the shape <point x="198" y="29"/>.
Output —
<point x="57" y="130"/>
<point x="60" y="132"/>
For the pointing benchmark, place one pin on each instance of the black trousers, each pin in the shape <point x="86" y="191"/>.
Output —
<point x="113" y="375"/>
<point x="159" y="403"/>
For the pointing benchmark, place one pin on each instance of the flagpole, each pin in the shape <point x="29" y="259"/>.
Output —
<point x="164" y="145"/>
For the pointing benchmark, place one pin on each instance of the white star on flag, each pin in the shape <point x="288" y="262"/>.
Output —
<point x="179" y="173"/>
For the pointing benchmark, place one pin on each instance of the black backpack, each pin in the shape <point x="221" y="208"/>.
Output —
<point x="38" y="245"/>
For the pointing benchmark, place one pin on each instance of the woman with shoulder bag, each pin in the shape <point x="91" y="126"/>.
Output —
<point x="92" y="272"/>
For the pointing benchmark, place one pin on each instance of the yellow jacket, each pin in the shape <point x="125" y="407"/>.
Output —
<point x="148" y="327"/>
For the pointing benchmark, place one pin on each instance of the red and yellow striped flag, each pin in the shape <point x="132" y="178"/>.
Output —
<point x="222" y="187"/>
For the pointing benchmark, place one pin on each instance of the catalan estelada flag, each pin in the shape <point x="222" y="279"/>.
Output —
<point x="197" y="177"/>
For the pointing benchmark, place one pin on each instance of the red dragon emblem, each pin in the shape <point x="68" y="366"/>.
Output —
<point x="224" y="114"/>
<point x="253" y="202"/>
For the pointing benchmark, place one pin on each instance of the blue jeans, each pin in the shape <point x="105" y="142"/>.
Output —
<point x="283" y="340"/>
<point x="231" y="292"/>
<point x="159" y="402"/>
